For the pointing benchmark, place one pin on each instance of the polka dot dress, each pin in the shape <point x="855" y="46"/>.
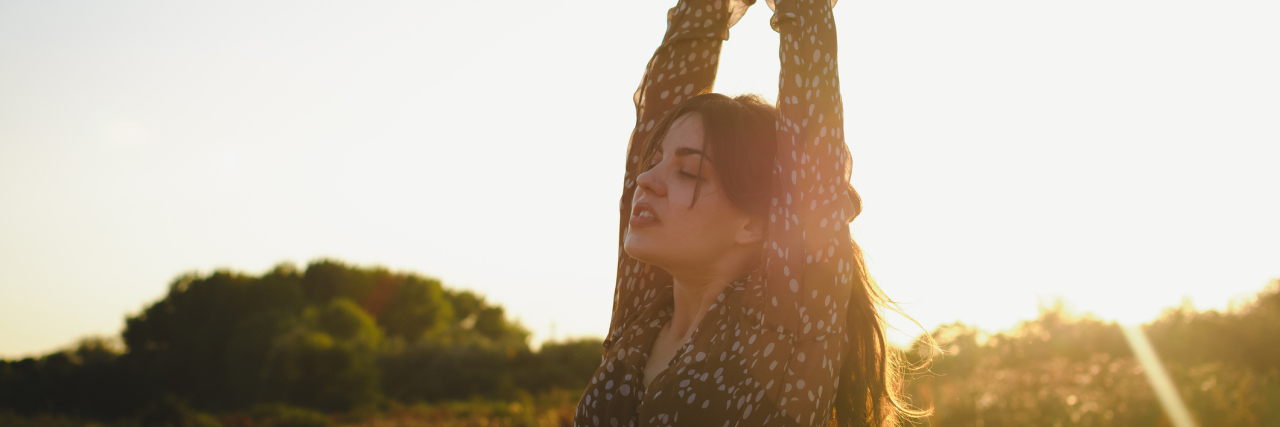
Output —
<point x="769" y="350"/>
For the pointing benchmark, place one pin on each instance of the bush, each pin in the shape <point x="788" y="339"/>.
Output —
<point x="282" y="415"/>
<point x="170" y="411"/>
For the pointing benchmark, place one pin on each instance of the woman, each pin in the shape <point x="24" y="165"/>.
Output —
<point x="741" y="299"/>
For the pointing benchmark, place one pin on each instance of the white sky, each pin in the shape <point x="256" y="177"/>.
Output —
<point x="1119" y="154"/>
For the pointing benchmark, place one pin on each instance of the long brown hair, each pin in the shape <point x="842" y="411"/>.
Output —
<point x="739" y="136"/>
<point x="874" y="369"/>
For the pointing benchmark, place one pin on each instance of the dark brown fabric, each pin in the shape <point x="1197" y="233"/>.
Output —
<point x="769" y="350"/>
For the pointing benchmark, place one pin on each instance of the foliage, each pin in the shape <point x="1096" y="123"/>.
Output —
<point x="326" y="359"/>
<point x="332" y="338"/>
<point x="82" y="381"/>
<point x="1063" y="369"/>
<point x="336" y="344"/>
<point x="8" y="418"/>
<point x="281" y="415"/>
<point x="171" y="411"/>
<point x="552" y="408"/>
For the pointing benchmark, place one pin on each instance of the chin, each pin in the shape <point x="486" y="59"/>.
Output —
<point x="632" y="250"/>
<point x="637" y="249"/>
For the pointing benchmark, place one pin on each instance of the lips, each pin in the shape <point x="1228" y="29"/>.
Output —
<point x="644" y="207"/>
<point x="644" y="210"/>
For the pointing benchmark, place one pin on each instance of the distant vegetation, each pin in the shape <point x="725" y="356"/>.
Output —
<point x="1065" y="370"/>
<point x="333" y="339"/>
<point x="337" y="344"/>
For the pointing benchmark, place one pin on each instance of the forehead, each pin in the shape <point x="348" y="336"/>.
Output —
<point x="686" y="131"/>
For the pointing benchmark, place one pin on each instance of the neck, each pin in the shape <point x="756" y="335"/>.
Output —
<point x="695" y="288"/>
<point x="693" y="295"/>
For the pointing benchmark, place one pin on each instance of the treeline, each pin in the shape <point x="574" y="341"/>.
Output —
<point x="299" y="348"/>
<point x="1065" y="369"/>
<point x="332" y="338"/>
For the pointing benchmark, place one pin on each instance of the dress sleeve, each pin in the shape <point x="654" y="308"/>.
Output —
<point x="683" y="66"/>
<point x="815" y="196"/>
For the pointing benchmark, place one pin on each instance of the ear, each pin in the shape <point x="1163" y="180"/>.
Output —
<point x="750" y="230"/>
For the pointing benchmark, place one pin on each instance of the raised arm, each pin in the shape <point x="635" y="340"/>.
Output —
<point x="683" y="66"/>
<point x="812" y="185"/>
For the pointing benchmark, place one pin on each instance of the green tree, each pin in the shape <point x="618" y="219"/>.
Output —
<point x="418" y="308"/>
<point x="327" y="359"/>
<point x="185" y="337"/>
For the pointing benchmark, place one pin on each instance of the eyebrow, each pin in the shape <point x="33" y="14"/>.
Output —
<point x="685" y="151"/>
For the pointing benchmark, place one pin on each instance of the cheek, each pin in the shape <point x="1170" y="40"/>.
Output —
<point x="707" y="223"/>
<point x="687" y="236"/>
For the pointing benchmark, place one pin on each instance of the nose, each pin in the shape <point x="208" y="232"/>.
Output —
<point x="649" y="182"/>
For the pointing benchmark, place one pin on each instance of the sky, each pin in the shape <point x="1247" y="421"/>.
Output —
<point x="1118" y="155"/>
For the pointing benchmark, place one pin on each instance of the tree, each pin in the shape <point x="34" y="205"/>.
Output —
<point x="327" y="359"/>
<point x="418" y="308"/>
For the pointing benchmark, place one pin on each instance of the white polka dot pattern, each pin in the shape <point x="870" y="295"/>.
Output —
<point x="769" y="350"/>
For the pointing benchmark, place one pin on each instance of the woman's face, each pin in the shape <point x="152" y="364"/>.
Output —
<point x="677" y="237"/>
